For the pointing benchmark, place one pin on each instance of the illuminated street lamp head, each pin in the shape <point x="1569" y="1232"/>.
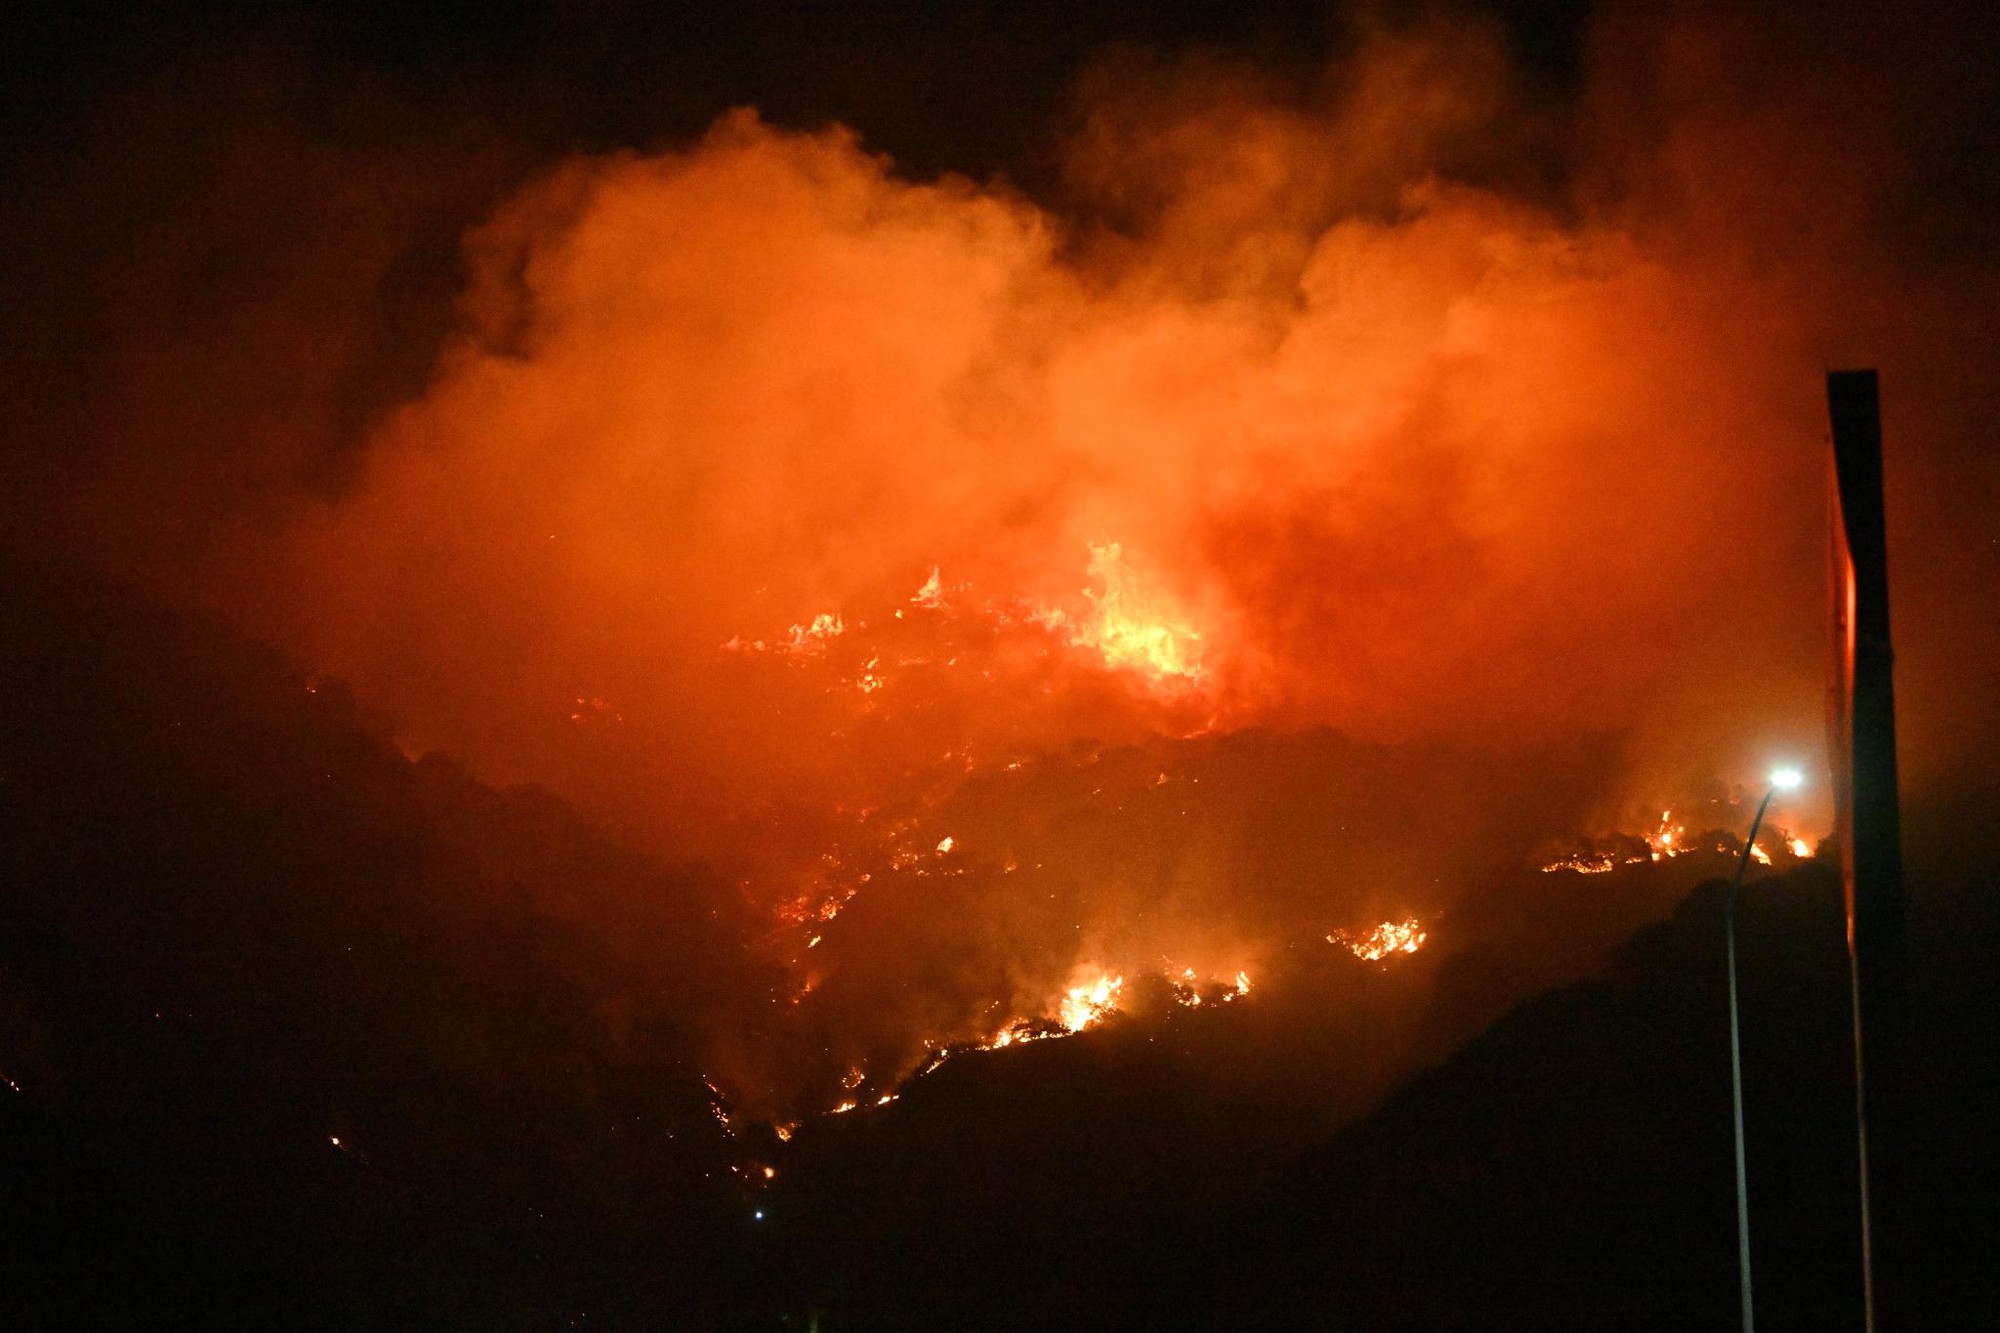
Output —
<point x="1787" y="779"/>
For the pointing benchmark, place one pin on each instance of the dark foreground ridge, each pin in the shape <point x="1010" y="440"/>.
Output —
<point x="308" y="1035"/>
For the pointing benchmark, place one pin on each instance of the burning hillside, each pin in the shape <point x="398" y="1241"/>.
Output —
<point x="1155" y="571"/>
<point x="834" y="527"/>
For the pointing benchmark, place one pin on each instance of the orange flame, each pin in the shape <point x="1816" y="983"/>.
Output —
<point x="1090" y="1002"/>
<point x="1391" y="937"/>
<point x="1134" y="631"/>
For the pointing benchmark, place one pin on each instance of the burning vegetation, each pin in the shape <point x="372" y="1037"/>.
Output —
<point x="840" y="642"/>
<point x="1391" y="937"/>
<point x="988" y="592"/>
<point x="1035" y="616"/>
<point x="1597" y="856"/>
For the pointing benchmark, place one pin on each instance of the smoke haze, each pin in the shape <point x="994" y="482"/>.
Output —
<point x="776" y="504"/>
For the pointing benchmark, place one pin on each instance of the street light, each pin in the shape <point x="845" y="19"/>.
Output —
<point x="1783" y="779"/>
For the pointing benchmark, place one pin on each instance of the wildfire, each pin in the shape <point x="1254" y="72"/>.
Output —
<point x="870" y="655"/>
<point x="1668" y="840"/>
<point x="807" y="640"/>
<point x="1391" y="937"/>
<point x="1090" y="1003"/>
<point x="1125" y="626"/>
<point x="755" y="1175"/>
<point x="1188" y="990"/>
<point x="1590" y="863"/>
<point x="1665" y="842"/>
<point x="1093" y="996"/>
<point x="1132" y="630"/>
<point x="1661" y="840"/>
<point x="718" y="1106"/>
<point x="811" y="640"/>
<point x="1083" y="1005"/>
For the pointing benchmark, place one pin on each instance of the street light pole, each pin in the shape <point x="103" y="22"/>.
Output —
<point x="1786" y="778"/>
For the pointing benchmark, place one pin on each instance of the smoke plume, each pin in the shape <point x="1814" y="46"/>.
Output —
<point x="779" y="507"/>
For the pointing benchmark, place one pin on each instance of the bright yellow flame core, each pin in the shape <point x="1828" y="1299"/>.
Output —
<point x="1391" y="937"/>
<point x="1090" y="1003"/>
<point x="1134" y="631"/>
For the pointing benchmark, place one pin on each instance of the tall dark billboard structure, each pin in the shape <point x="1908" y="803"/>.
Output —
<point x="1862" y="749"/>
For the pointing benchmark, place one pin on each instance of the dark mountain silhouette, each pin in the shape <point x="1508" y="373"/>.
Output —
<point x="307" y="1034"/>
<point x="1571" y="1167"/>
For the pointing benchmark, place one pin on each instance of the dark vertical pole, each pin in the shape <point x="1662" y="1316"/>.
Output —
<point x="1862" y="717"/>
<point x="1746" y="1304"/>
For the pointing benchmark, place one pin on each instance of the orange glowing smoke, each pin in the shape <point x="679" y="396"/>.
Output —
<point x="845" y="492"/>
<point x="1310" y="455"/>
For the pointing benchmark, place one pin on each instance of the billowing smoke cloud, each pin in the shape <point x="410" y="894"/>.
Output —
<point x="775" y="506"/>
<point x="1396" y="452"/>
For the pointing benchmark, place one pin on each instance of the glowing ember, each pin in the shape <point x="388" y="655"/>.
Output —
<point x="1391" y="937"/>
<point x="1589" y="863"/>
<point x="1801" y="848"/>
<point x="1759" y="855"/>
<point x="718" y="1106"/>
<point x="595" y="712"/>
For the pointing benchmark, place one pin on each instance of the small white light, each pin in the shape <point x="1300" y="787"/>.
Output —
<point x="758" y="1215"/>
<point x="1787" y="779"/>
